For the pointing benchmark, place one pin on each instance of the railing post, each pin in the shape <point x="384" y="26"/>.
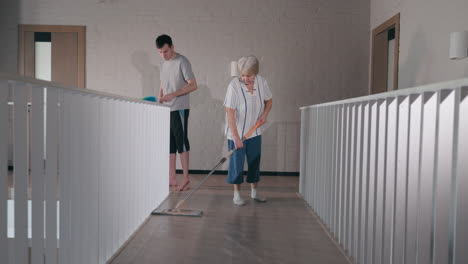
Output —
<point x="37" y="174"/>
<point x="401" y="180"/>
<point x="459" y="228"/>
<point x="21" y="173"/>
<point x="4" y="89"/>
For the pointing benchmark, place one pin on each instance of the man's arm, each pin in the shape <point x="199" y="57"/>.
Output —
<point x="188" y="88"/>
<point x="161" y="94"/>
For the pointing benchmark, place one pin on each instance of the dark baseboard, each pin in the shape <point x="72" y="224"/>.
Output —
<point x="224" y="172"/>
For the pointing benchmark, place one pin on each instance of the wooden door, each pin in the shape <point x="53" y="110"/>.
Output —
<point x="384" y="62"/>
<point x="380" y="63"/>
<point x="68" y="53"/>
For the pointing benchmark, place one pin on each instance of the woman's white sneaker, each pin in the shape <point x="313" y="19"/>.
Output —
<point x="257" y="197"/>
<point x="238" y="201"/>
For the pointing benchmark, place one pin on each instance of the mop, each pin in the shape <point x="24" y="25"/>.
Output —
<point x="187" y="212"/>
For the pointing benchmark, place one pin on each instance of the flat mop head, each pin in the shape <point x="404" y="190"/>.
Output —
<point x="178" y="212"/>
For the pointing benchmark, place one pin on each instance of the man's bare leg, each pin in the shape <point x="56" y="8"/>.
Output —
<point x="172" y="170"/>
<point x="184" y="159"/>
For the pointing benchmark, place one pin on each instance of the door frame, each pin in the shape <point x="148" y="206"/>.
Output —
<point x="81" y="30"/>
<point x="393" y="22"/>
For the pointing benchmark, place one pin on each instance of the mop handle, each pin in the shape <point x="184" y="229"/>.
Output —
<point x="246" y="136"/>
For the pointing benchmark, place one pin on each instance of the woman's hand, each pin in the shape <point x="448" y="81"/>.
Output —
<point x="263" y="119"/>
<point x="238" y="143"/>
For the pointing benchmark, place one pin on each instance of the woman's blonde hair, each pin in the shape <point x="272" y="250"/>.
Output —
<point x="248" y="65"/>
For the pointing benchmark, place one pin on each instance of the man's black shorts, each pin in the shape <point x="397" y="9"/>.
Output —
<point x="179" y="135"/>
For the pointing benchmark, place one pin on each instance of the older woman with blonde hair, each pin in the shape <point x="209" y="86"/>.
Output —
<point x="248" y="101"/>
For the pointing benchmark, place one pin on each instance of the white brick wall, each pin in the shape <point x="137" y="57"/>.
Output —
<point x="424" y="38"/>
<point x="310" y="51"/>
<point x="8" y="35"/>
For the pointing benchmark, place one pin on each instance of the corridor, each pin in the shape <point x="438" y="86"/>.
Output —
<point x="283" y="230"/>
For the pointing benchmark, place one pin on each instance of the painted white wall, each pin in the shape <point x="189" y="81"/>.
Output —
<point x="310" y="51"/>
<point x="424" y="38"/>
<point x="9" y="17"/>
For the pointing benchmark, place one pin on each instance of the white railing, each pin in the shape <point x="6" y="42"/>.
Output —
<point x="102" y="165"/>
<point x="388" y="174"/>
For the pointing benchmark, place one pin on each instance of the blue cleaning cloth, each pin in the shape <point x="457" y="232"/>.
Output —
<point x="151" y="98"/>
